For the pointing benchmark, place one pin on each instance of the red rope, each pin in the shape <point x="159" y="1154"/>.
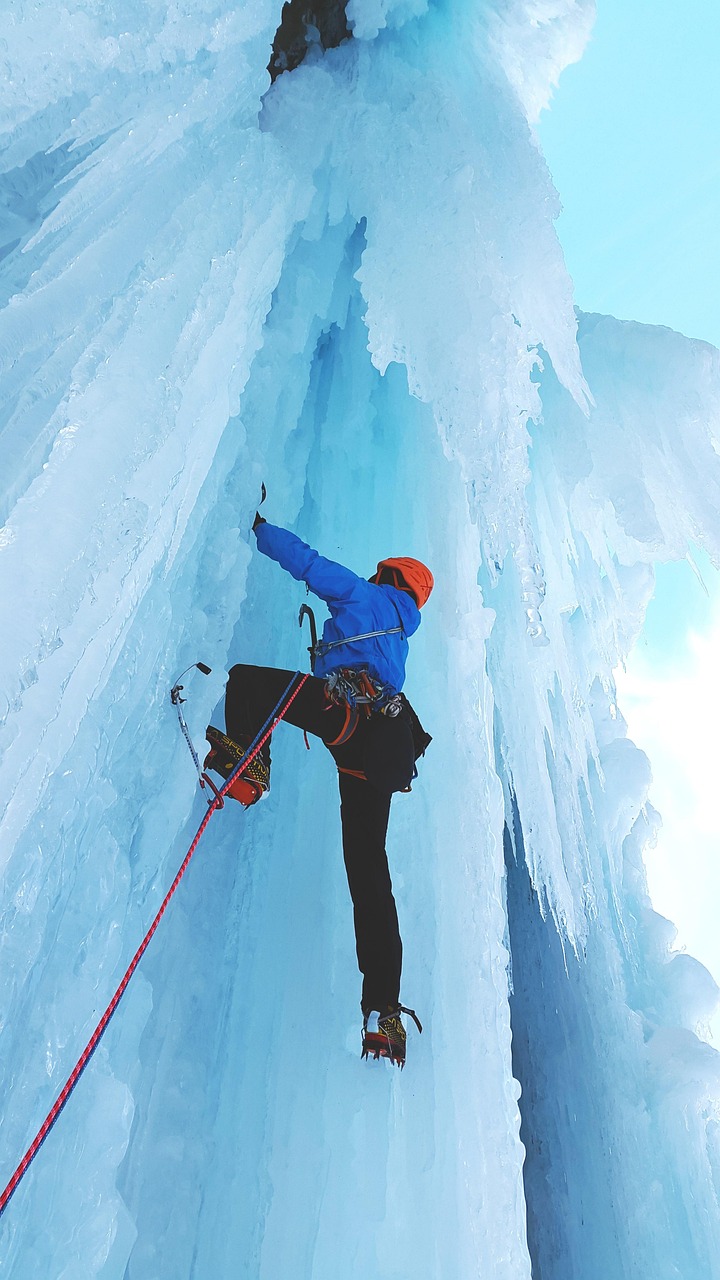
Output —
<point x="94" y="1040"/>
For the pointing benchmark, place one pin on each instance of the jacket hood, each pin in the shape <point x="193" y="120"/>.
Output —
<point x="406" y="607"/>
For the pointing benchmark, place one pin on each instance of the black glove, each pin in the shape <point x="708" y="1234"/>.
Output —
<point x="258" y="520"/>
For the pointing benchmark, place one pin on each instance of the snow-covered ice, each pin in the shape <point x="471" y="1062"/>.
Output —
<point x="349" y="286"/>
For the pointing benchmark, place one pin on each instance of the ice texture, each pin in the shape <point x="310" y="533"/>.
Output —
<point x="349" y="286"/>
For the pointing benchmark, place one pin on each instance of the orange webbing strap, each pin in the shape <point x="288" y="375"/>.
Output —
<point x="367" y="686"/>
<point x="350" y="724"/>
<point x="353" y="773"/>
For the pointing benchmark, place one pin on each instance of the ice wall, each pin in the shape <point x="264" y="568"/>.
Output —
<point x="620" y="1097"/>
<point x="349" y="286"/>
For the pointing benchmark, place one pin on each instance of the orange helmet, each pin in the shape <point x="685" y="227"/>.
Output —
<point x="408" y="575"/>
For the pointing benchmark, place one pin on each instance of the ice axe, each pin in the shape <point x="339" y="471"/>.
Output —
<point x="306" y="612"/>
<point x="258" y="518"/>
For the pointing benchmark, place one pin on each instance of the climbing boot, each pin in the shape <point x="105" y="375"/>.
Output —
<point x="225" y="755"/>
<point x="383" y="1034"/>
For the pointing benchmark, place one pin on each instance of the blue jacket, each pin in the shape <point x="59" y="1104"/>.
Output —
<point x="356" y="606"/>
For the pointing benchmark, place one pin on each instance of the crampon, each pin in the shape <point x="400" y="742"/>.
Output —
<point x="224" y="756"/>
<point x="389" y="1040"/>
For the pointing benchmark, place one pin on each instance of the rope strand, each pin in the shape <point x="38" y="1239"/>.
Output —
<point x="276" y="715"/>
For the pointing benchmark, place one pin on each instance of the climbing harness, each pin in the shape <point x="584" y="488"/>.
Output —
<point x="276" y="715"/>
<point x="356" y="687"/>
<point x="361" y="694"/>
<point x="352" y="687"/>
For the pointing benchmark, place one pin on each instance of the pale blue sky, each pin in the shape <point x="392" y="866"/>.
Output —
<point x="633" y="143"/>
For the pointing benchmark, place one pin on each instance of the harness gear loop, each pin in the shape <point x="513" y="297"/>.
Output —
<point x="356" y="687"/>
<point x="350" y="724"/>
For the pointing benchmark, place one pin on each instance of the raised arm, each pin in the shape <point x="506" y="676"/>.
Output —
<point x="325" y="578"/>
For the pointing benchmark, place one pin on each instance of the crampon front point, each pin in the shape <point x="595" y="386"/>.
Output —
<point x="390" y="1039"/>
<point x="376" y="1045"/>
<point x="223" y="758"/>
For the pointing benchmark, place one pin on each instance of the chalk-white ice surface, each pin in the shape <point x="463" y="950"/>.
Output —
<point x="347" y="285"/>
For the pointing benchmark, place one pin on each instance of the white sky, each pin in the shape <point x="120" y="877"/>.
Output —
<point x="672" y="708"/>
<point x="633" y="144"/>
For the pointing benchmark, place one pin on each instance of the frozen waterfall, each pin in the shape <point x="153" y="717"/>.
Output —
<point x="346" y="284"/>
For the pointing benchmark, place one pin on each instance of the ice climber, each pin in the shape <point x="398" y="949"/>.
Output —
<point x="354" y="704"/>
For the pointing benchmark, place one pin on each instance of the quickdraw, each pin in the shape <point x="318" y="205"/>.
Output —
<point x="177" y="701"/>
<point x="355" y="687"/>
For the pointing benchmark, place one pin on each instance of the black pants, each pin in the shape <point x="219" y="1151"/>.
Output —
<point x="379" y="745"/>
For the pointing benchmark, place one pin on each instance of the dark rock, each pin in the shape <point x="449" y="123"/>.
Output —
<point x="305" y="23"/>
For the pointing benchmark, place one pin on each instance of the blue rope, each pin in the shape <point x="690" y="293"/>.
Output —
<point x="241" y="764"/>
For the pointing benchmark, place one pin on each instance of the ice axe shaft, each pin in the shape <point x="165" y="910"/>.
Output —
<point x="306" y="612"/>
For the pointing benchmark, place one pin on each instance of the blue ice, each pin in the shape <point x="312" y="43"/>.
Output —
<point x="348" y="286"/>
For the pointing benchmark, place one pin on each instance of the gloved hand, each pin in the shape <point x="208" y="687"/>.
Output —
<point x="258" y="520"/>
